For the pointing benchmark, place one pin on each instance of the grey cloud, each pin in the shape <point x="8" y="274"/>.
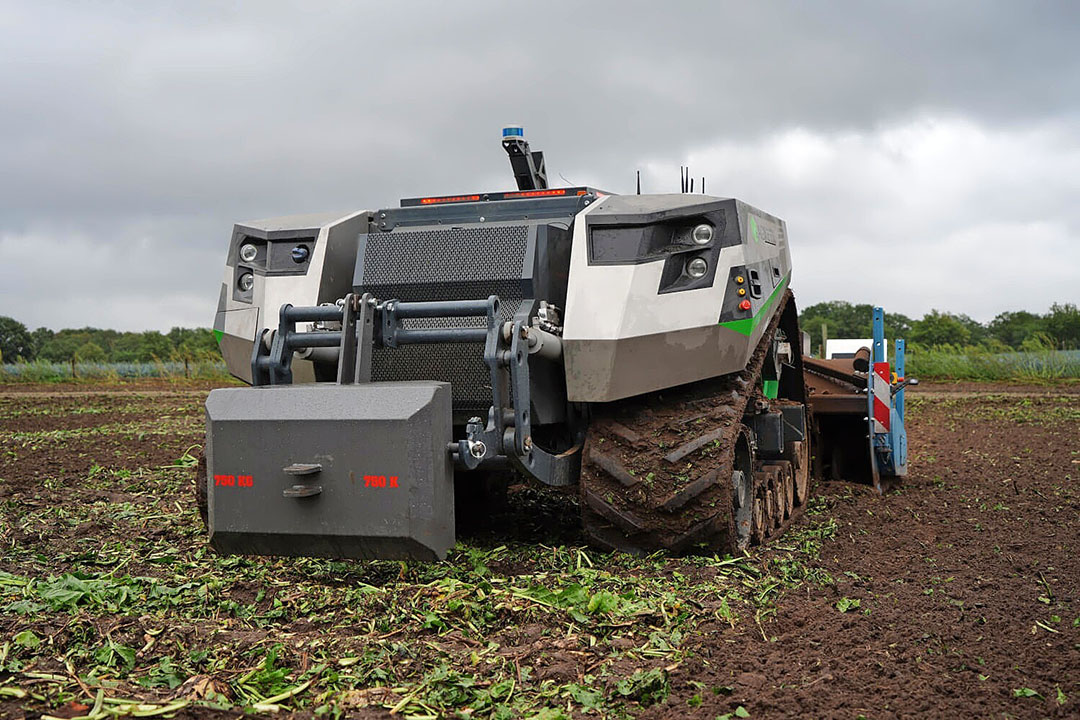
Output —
<point x="176" y="120"/>
<point x="930" y="213"/>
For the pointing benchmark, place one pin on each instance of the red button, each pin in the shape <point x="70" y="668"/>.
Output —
<point x="744" y="305"/>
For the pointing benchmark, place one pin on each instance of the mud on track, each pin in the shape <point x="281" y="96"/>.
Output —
<point x="966" y="580"/>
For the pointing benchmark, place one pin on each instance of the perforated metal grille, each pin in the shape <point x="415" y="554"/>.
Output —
<point x="455" y="254"/>
<point x="452" y="264"/>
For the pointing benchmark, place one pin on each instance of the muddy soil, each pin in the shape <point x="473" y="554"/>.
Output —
<point x="132" y="385"/>
<point x="967" y="577"/>
<point x="1050" y="388"/>
<point x="955" y="595"/>
<point x="57" y="436"/>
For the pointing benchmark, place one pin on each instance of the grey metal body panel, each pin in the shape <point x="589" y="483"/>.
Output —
<point x="636" y="326"/>
<point x="385" y="487"/>
<point x="654" y="208"/>
<point x="324" y="277"/>
<point x="609" y="369"/>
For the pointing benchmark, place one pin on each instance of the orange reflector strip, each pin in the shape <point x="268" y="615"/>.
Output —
<point x="458" y="198"/>
<point x="534" y="193"/>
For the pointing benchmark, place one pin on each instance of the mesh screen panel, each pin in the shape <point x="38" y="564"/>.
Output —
<point x="468" y="263"/>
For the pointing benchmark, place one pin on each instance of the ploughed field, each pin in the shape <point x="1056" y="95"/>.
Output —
<point x="956" y="595"/>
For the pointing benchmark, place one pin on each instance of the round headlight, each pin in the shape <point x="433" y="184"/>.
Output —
<point x="697" y="268"/>
<point x="300" y="254"/>
<point x="246" y="282"/>
<point x="703" y="234"/>
<point x="248" y="252"/>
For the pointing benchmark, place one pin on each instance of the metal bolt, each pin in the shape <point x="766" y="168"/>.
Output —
<point x="382" y="224"/>
<point x="528" y="442"/>
<point x="382" y="215"/>
<point x="477" y="449"/>
<point x="482" y="218"/>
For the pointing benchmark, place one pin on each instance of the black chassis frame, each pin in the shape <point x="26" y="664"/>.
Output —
<point x="367" y="323"/>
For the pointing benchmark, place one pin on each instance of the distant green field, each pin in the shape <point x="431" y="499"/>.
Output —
<point x="930" y="364"/>
<point x="975" y="365"/>
<point x="45" y="372"/>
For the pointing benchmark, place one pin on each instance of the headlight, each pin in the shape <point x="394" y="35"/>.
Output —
<point x="246" y="282"/>
<point x="616" y="244"/>
<point x="697" y="268"/>
<point x="248" y="252"/>
<point x="300" y="254"/>
<point x="703" y="234"/>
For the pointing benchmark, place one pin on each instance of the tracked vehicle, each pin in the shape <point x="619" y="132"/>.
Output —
<point x="641" y="349"/>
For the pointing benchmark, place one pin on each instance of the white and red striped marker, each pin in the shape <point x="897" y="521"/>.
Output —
<point x="882" y="397"/>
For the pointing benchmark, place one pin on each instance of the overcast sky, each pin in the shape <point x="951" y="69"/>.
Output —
<point x="924" y="155"/>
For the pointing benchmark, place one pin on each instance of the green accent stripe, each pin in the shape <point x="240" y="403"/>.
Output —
<point x="746" y="326"/>
<point x="218" y="335"/>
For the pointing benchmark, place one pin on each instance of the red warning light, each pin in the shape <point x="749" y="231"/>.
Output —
<point x="497" y="196"/>
<point x="744" y="305"/>
<point x="534" y="193"/>
<point x="454" y="199"/>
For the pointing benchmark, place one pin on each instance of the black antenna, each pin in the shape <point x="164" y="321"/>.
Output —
<point x="691" y="184"/>
<point x="682" y="179"/>
<point x="638" y="182"/>
<point x="702" y="184"/>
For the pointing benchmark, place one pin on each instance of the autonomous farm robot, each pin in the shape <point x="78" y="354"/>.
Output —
<point x="641" y="349"/>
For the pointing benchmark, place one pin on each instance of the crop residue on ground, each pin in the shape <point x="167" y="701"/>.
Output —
<point x="954" y="595"/>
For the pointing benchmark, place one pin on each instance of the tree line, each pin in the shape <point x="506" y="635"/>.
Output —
<point x="18" y="344"/>
<point x="1014" y="330"/>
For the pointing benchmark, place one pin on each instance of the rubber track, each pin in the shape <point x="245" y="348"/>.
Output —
<point x="657" y="467"/>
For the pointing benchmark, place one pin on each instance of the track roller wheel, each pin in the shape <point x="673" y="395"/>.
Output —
<point x="786" y="488"/>
<point x="799" y="452"/>
<point x="789" y="493"/>
<point x="774" y="503"/>
<point x="742" y="502"/>
<point x="765" y="479"/>
<point x="759" y="530"/>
